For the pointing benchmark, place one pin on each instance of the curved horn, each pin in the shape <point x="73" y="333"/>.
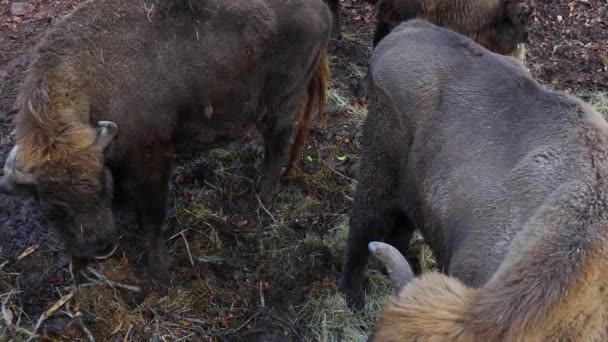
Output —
<point x="107" y="255"/>
<point x="399" y="270"/>
<point x="106" y="133"/>
<point x="13" y="175"/>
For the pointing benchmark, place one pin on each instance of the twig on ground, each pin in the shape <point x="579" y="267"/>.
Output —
<point x="113" y="283"/>
<point x="336" y="172"/>
<point x="261" y="290"/>
<point x="48" y="313"/>
<point x="128" y="333"/>
<point x="77" y="316"/>
<point x="264" y="207"/>
<point x="251" y="318"/>
<point x="187" y="248"/>
<point x="85" y="329"/>
<point x="287" y="324"/>
<point x="31" y="249"/>
<point x="7" y="316"/>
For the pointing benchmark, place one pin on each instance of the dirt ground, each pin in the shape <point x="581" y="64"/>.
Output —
<point x="241" y="273"/>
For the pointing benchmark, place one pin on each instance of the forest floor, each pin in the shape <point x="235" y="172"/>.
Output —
<point x="242" y="273"/>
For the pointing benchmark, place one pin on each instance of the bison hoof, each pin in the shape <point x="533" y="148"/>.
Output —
<point x="354" y="299"/>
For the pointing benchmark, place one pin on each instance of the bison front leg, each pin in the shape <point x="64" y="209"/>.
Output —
<point x="277" y="135"/>
<point x="149" y="189"/>
<point x="151" y="204"/>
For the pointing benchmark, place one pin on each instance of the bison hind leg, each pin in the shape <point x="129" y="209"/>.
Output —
<point x="277" y="135"/>
<point x="376" y="213"/>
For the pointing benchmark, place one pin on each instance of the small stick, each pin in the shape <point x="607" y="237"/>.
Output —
<point x="252" y="317"/>
<point x="48" y="313"/>
<point x="113" y="283"/>
<point x="264" y="207"/>
<point x="261" y="290"/>
<point x="187" y="248"/>
<point x="336" y="172"/>
<point x="31" y="249"/>
<point x="126" y="339"/>
<point x="85" y="329"/>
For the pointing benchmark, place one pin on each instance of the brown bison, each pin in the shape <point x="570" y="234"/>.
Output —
<point x="498" y="25"/>
<point x="506" y="180"/>
<point x="119" y="86"/>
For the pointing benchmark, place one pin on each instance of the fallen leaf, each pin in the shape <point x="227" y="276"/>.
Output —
<point x="554" y="82"/>
<point x="343" y="158"/>
<point x="185" y="324"/>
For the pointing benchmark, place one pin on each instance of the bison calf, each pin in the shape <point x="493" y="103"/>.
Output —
<point x="506" y="180"/>
<point x="119" y="86"/>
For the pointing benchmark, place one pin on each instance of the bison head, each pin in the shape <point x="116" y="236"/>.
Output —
<point x="74" y="195"/>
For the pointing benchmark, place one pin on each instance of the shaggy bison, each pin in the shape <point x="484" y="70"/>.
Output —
<point x="119" y="86"/>
<point x="498" y="25"/>
<point x="506" y="180"/>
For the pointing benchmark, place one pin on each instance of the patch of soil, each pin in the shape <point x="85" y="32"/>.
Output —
<point x="240" y="273"/>
<point x="568" y="44"/>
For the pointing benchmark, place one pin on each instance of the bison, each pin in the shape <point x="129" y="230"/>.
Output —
<point x="498" y="25"/>
<point x="119" y="86"/>
<point x="506" y="180"/>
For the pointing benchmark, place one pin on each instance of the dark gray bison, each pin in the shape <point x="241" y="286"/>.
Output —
<point x="506" y="180"/>
<point x="119" y="86"/>
<point x="498" y="25"/>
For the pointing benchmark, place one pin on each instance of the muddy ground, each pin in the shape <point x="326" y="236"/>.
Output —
<point x="240" y="273"/>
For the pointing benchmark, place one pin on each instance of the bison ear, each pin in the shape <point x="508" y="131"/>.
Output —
<point x="399" y="270"/>
<point x="106" y="132"/>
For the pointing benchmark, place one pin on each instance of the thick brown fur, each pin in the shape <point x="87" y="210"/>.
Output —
<point x="317" y="90"/>
<point x="173" y="76"/>
<point x="506" y="180"/>
<point x="498" y="25"/>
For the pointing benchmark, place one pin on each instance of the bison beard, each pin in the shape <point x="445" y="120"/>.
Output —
<point x="89" y="124"/>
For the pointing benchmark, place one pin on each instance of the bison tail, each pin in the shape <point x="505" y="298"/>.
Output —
<point x="317" y="90"/>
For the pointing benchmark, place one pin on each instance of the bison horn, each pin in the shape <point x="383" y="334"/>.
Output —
<point x="107" y="255"/>
<point x="13" y="175"/>
<point x="106" y="133"/>
<point x="399" y="270"/>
